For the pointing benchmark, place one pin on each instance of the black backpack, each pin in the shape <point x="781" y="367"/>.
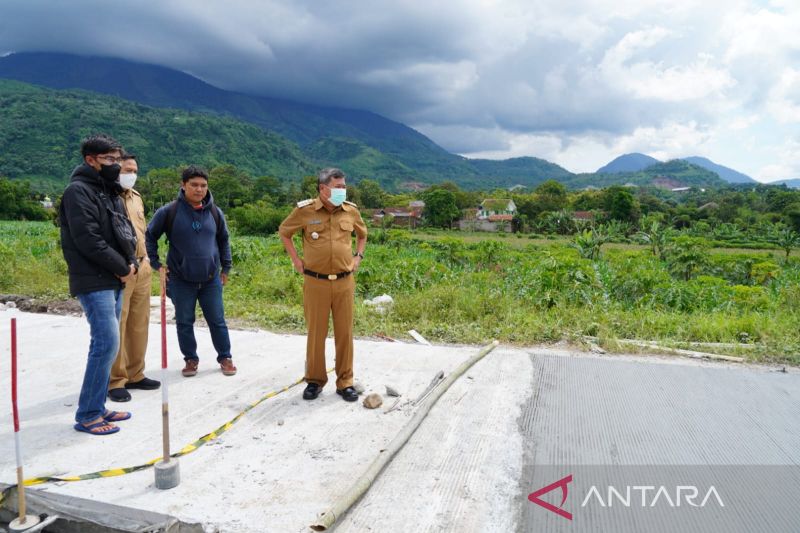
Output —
<point x="121" y="226"/>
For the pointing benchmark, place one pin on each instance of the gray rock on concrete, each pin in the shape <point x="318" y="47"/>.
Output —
<point x="373" y="401"/>
<point x="594" y="348"/>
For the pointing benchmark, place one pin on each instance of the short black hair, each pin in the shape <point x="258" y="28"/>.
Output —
<point x="99" y="144"/>
<point x="193" y="171"/>
<point x="127" y="156"/>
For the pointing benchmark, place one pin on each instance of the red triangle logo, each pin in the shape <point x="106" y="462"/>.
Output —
<point x="534" y="497"/>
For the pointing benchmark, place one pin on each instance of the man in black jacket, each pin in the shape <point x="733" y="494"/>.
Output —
<point x="100" y="258"/>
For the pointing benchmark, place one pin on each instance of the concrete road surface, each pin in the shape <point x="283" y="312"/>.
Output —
<point x="620" y="443"/>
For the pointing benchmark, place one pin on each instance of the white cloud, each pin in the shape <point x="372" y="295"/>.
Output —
<point x="785" y="163"/>
<point x="784" y="98"/>
<point x="646" y="79"/>
<point x="586" y="152"/>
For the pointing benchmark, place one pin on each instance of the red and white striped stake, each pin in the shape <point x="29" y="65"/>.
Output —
<point x="164" y="381"/>
<point x="23" y="519"/>
<point x="167" y="472"/>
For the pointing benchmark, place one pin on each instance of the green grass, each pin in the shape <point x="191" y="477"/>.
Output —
<point x="470" y="290"/>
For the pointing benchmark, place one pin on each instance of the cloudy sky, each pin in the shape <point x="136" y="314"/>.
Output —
<point x="576" y="82"/>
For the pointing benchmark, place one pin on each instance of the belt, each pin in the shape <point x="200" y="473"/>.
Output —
<point x="331" y="277"/>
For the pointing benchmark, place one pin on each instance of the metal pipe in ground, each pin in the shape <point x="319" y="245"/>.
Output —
<point x="23" y="520"/>
<point x="363" y="483"/>
<point x="167" y="471"/>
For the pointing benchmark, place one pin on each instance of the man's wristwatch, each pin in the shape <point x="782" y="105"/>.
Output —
<point x="359" y="254"/>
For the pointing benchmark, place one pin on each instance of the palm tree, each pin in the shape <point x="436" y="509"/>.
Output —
<point x="787" y="239"/>
<point x="589" y="243"/>
<point x="657" y="236"/>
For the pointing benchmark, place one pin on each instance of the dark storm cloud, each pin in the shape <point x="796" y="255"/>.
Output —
<point x="476" y="75"/>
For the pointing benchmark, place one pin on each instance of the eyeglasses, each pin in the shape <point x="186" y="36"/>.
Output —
<point x="110" y="159"/>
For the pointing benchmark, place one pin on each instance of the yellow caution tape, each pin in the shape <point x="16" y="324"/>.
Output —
<point x="189" y="448"/>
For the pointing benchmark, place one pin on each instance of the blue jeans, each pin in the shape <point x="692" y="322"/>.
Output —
<point x="102" y="310"/>
<point x="185" y="296"/>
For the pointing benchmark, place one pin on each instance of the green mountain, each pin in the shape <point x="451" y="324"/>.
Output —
<point x="170" y="118"/>
<point x="40" y="132"/>
<point x="628" y="163"/>
<point x="390" y="152"/>
<point x="728" y="174"/>
<point x="636" y="162"/>
<point x="528" y="171"/>
<point x="669" y="175"/>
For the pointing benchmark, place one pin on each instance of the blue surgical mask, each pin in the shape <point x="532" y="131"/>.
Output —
<point x="338" y="196"/>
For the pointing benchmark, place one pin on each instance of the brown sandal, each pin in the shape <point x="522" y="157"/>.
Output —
<point x="227" y="367"/>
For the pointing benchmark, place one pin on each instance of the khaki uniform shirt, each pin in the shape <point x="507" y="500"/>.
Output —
<point x="327" y="236"/>
<point x="135" y="209"/>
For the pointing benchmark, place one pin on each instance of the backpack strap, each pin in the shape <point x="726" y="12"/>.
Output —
<point x="172" y="211"/>
<point x="217" y="221"/>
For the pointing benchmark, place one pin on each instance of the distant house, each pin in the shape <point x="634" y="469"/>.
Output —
<point x="497" y="206"/>
<point x="583" y="215"/>
<point x="415" y="186"/>
<point x="404" y="217"/>
<point x="492" y="215"/>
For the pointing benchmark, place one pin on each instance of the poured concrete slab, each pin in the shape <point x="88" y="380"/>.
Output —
<point x="484" y="447"/>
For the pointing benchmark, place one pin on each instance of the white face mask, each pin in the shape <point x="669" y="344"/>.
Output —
<point x="127" y="181"/>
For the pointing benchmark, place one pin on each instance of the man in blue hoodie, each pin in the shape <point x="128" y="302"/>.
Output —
<point x="198" y="248"/>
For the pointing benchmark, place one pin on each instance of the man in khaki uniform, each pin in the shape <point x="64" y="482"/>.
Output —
<point x="127" y="372"/>
<point x="327" y="224"/>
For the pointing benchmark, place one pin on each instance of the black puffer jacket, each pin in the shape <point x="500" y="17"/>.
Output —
<point x="94" y="258"/>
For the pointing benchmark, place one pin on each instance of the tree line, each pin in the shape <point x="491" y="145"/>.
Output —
<point x="257" y="204"/>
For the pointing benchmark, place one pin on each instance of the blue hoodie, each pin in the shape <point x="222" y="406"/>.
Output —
<point x="195" y="254"/>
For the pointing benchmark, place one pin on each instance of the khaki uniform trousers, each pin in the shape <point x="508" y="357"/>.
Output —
<point x="321" y="297"/>
<point x="134" y="322"/>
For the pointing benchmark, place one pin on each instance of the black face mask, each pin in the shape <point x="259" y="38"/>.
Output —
<point x="110" y="173"/>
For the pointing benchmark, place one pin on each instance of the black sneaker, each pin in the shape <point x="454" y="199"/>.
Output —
<point x="144" y="384"/>
<point x="119" y="395"/>
<point x="348" y="393"/>
<point x="311" y="392"/>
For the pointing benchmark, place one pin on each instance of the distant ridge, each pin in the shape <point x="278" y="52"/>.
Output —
<point x="728" y="174"/>
<point x="636" y="162"/>
<point x="628" y="163"/>
<point x="298" y="138"/>
<point x="791" y="183"/>
<point x="365" y="144"/>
